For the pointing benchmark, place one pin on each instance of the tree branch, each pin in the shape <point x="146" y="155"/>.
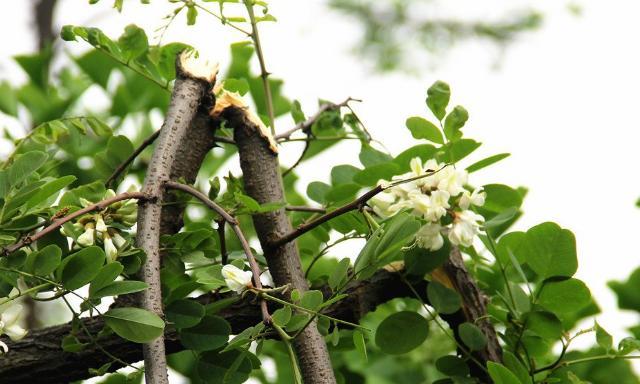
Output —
<point x="263" y="182"/>
<point x="147" y="142"/>
<point x="40" y="354"/>
<point x="474" y="304"/>
<point x="233" y="222"/>
<point x="193" y="82"/>
<point x="57" y="223"/>
<point x="306" y="125"/>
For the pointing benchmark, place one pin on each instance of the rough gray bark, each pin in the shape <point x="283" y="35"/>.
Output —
<point x="188" y="91"/>
<point x="40" y="355"/>
<point x="474" y="306"/>
<point x="263" y="182"/>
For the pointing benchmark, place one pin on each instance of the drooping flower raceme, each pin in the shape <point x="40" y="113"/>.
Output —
<point x="441" y="200"/>
<point x="236" y="279"/>
<point x="10" y="325"/>
<point x="105" y="227"/>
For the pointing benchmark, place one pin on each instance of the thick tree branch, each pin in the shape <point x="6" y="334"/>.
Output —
<point x="233" y="222"/>
<point x="263" y="182"/>
<point x="194" y="80"/>
<point x="59" y="222"/>
<point x="474" y="304"/>
<point x="40" y="354"/>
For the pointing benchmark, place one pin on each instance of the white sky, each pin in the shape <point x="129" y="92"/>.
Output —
<point x="562" y="101"/>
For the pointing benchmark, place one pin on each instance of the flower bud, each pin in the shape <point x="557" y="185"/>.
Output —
<point x="88" y="237"/>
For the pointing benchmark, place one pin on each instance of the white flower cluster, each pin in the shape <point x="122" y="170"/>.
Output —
<point x="10" y="325"/>
<point x="239" y="280"/>
<point x="106" y="226"/>
<point x="432" y="198"/>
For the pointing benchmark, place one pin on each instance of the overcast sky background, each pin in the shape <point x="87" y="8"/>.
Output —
<point x="562" y="100"/>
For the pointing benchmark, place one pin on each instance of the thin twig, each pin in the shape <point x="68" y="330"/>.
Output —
<point x="57" y="223"/>
<point x="233" y="222"/>
<point x="307" y="124"/>
<point x="147" y="142"/>
<point x="299" y="208"/>
<point x="223" y="241"/>
<point x="358" y="203"/>
<point x="264" y="74"/>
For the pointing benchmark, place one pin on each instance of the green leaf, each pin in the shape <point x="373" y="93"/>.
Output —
<point x="317" y="191"/>
<point x="8" y="99"/>
<point x="443" y="299"/>
<point x="184" y="313"/>
<point x="192" y="14"/>
<point x="550" y="250"/>
<point x="133" y="42"/>
<point x="343" y="174"/>
<point x="452" y="366"/>
<point x="516" y="367"/>
<point x="363" y="266"/>
<point x="372" y="174"/>
<point x="43" y="261"/>
<point x="603" y="338"/>
<point x="47" y="190"/>
<point x="117" y="288"/>
<point x="627" y="291"/>
<point x="339" y="274"/>
<point x="134" y="324"/>
<point x="71" y="344"/>
<point x="501" y="374"/>
<point x="282" y="316"/>
<point x="81" y="267"/>
<point x="564" y="296"/>
<point x="462" y="148"/>
<point x="25" y="165"/>
<point x="455" y="120"/>
<point x="438" y="98"/>
<point x="311" y="300"/>
<point x="107" y="274"/>
<point x="544" y="324"/>
<point x="472" y="336"/>
<point x="216" y="368"/>
<point x="424" y="129"/>
<point x="419" y="261"/>
<point x="628" y="345"/>
<point x="370" y="156"/>
<point x="237" y="85"/>
<point x="359" y="343"/>
<point x="478" y="165"/>
<point x="397" y="233"/>
<point x="401" y="332"/>
<point x="211" y="333"/>
<point x="423" y="151"/>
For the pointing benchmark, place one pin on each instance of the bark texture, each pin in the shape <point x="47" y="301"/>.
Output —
<point x="172" y="157"/>
<point x="474" y="306"/>
<point x="263" y="182"/>
<point x="40" y="355"/>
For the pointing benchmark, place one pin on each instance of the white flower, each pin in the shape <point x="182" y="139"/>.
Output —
<point x="466" y="225"/>
<point x="266" y="279"/>
<point x="432" y="207"/>
<point x="10" y="323"/>
<point x="452" y="180"/>
<point x="101" y="227"/>
<point x="429" y="237"/>
<point x="432" y="181"/>
<point x="439" y="205"/>
<point x="109" y="248"/>
<point x="109" y="194"/>
<point x="382" y="202"/>
<point x="236" y="279"/>
<point x="118" y="240"/>
<point x="88" y="237"/>
<point x="475" y="198"/>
